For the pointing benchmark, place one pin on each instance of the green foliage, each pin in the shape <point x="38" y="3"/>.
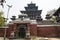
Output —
<point x="2" y="20"/>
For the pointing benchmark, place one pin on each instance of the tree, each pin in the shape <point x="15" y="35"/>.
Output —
<point x="2" y="20"/>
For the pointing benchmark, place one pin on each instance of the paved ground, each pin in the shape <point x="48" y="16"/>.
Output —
<point x="1" y="38"/>
<point x="43" y="38"/>
<point x="16" y="39"/>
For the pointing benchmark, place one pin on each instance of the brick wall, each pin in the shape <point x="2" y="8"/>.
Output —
<point x="47" y="31"/>
<point x="2" y="32"/>
<point x="58" y="31"/>
<point x="33" y="29"/>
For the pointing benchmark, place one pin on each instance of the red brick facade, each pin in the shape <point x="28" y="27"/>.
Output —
<point x="45" y="31"/>
<point x="33" y="29"/>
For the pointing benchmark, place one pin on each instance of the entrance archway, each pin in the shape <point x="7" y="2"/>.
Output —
<point x="21" y="31"/>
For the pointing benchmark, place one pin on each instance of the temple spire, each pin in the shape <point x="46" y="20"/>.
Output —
<point x="32" y="11"/>
<point x="31" y="2"/>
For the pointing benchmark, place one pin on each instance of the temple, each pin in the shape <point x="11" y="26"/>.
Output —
<point x="32" y="11"/>
<point x="30" y="24"/>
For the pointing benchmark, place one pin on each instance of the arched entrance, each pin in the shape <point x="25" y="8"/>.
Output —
<point x="21" y="31"/>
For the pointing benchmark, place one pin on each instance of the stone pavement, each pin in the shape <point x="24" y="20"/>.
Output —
<point x="44" y="38"/>
<point x="2" y="38"/>
<point x="38" y="38"/>
<point x="16" y="39"/>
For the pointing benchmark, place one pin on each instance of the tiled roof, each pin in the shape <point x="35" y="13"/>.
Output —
<point x="57" y="12"/>
<point x="47" y="22"/>
<point x="42" y="22"/>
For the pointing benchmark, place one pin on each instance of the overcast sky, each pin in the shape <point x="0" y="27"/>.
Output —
<point x="44" y="5"/>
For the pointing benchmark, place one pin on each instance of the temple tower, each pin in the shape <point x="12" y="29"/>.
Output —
<point x="32" y="11"/>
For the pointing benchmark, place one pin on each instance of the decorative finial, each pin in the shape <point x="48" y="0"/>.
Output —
<point x="31" y="2"/>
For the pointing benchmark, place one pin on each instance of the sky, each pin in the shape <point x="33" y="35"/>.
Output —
<point x="18" y="5"/>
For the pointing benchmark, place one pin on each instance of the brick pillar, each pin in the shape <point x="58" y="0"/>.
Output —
<point x="32" y="30"/>
<point x="12" y="29"/>
<point x="28" y="33"/>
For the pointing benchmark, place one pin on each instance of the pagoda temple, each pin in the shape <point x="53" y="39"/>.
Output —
<point x="32" y="11"/>
<point x="30" y="25"/>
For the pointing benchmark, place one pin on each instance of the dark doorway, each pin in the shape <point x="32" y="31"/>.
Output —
<point x="21" y="31"/>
